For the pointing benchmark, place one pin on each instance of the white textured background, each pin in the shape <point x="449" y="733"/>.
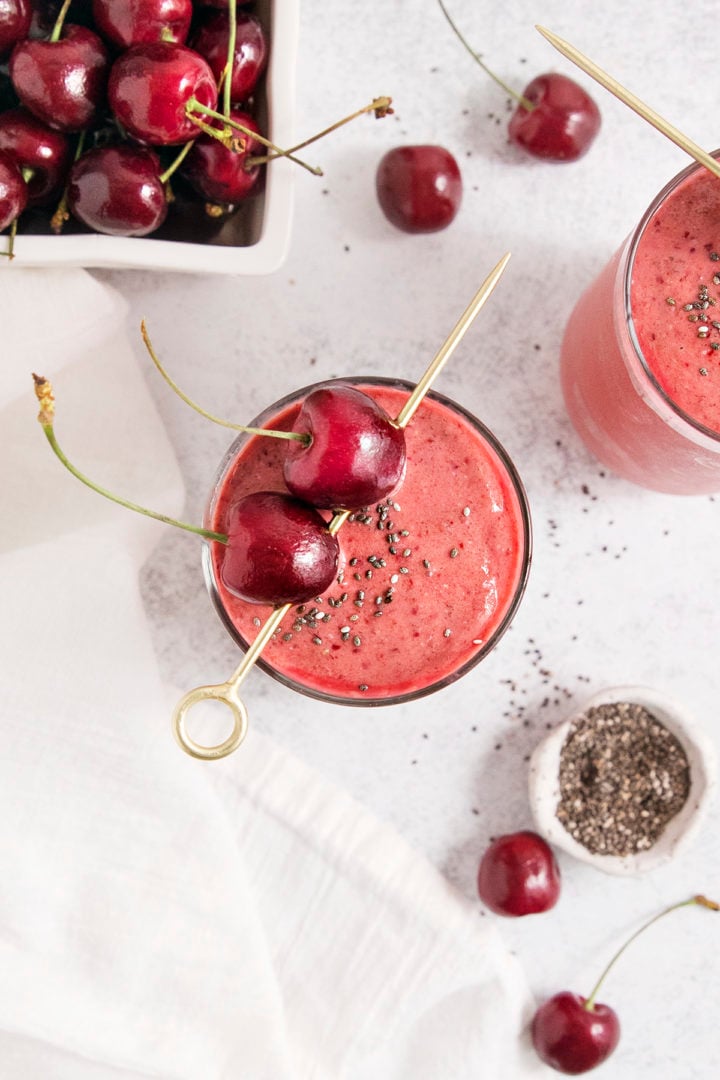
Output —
<point x="625" y="583"/>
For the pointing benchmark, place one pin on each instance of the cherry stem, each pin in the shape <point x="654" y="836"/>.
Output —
<point x="525" y="102"/>
<point x="379" y="105"/>
<point x="62" y="213"/>
<point x="232" y="38"/>
<point x="165" y="176"/>
<point x="294" y="435"/>
<point x="57" y="28"/>
<point x="701" y="901"/>
<point x="10" y="252"/>
<point x="223" y="136"/>
<point x="44" y="394"/>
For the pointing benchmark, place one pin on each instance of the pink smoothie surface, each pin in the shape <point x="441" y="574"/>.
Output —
<point x="675" y="297"/>
<point x="427" y="580"/>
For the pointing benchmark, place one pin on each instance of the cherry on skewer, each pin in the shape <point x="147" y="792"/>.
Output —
<point x="574" y="1034"/>
<point x="554" y="118"/>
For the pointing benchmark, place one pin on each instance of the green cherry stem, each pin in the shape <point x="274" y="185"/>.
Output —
<point x="701" y="901"/>
<point x="177" y="162"/>
<point x="44" y="394"/>
<point x="379" y="105"/>
<point x="525" y="102"/>
<point x="9" y="253"/>
<point x="62" y="213"/>
<point x="57" y="28"/>
<point x="232" y="38"/>
<point x="294" y="435"/>
<point x="194" y="106"/>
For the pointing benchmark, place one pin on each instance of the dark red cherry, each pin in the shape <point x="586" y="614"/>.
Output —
<point x="356" y="454"/>
<point x="563" y="123"/>
<point x="150" y="86"/>
<point x="117" y="190"/>
<point x="134" y="22"/>
<point x="279" y="550"/>
<point x="218" y="174"/>
<point x="518" y="875"/>
<point x="251" y="51"/>
<point x="419" y="188"/>
<point x="15" y="19"/>
<point x="571" y="1038"/>
<point x="62" y="82"/>
<point x="34" y="146"/>
<point x="13" y="190"/>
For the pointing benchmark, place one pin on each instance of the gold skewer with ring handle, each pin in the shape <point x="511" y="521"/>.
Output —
<point x="228" y="692"/>
<point x="663" y="126"/>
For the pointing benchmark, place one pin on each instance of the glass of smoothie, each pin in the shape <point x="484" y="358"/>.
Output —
<point x="640" y="361"/>
<point x="428" y="579"/>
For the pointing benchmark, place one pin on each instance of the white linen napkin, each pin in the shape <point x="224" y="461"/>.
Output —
<point x="162" y="917"/>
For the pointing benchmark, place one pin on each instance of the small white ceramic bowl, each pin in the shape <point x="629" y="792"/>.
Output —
<point x="544" y="788"/>
<point x="253" y="242"/>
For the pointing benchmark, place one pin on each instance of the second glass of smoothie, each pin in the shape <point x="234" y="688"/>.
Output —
<point x="429" y="578"/>
<point x="640" y="361"/>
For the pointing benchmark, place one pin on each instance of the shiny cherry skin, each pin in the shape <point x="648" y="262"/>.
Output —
<point x="15" y="20"/>
<point x="518" y="875"/>
<point x="356" y="454"/>
<point x="251" y="49"/>
<point x="571" y="1038"/>
<point x="419" y="188"/>
<point x="563" y="123"/>
<point x="117" y="190"/>
<point x="149" y="87"/>
<point x="35" y="146"/>
<point x="13" y="190"/>
<point x="279" y="550"/>
<point x="218" y="174"/>
<point x="62" y="82"/>
<point x="135" y="22"/>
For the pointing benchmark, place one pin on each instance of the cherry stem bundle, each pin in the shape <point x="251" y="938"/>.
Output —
<point x="223" y="135"/>
<point x="700" y="901"/>
<point x="525" y="102"/>
<point x="293" y="435"/>
<point x="379" y="105"/>
<point x="46" y="398"/>
<point x="228" y="72"/>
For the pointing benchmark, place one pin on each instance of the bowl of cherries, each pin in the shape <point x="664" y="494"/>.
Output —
<point x="144" y="135"/>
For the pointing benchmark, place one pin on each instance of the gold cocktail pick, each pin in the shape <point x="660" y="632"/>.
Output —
<point x="669" y="130"/>
<point x="227" y="692"/>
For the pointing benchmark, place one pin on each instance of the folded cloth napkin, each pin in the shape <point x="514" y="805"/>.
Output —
<point x="162" y="917"/>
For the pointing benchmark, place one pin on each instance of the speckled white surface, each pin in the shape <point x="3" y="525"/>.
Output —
<point x="625" y="583"/>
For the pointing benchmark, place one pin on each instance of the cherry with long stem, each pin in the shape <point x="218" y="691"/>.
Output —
<point x="525" y="102"/>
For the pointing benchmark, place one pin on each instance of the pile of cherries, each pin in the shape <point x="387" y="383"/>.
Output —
<point x="101" y="101"/>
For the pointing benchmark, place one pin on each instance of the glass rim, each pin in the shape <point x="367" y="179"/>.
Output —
<point x="680" y="418"/>
<point x="482" y="651"/>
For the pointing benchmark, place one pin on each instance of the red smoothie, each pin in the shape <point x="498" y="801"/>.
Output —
<point x="429" y="578"/>
<point x="641" y="353"/>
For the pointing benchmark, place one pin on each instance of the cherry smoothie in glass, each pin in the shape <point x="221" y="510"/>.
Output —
<point x="640" y="363"/>
<point x="428" y="579"/>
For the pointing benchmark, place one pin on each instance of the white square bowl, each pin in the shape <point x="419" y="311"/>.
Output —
<point x="253" y="242"/>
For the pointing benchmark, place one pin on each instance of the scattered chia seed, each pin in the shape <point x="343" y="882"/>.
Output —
<point x="622" y="776"/>
<point x="454" y="553"/>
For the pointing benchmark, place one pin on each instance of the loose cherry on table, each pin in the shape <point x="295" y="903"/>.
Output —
<point x="353" y="455"/>
<point x="574" y="1034"/>
<point x="136" y="22"/>
<point x="15" y="20"/>
<point x="279" y="550"/>
<point x="43" y="155"/>
<point x="518" y="875"/>
<point x="151" y="88"/>
<point x="118" y="190"/>
<point x="554" y="119"/>
<point x="211" y="40"/>
<point x="221" y="175"/>
<point x="419" y="188"/>
<point x="62" y="80"/>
